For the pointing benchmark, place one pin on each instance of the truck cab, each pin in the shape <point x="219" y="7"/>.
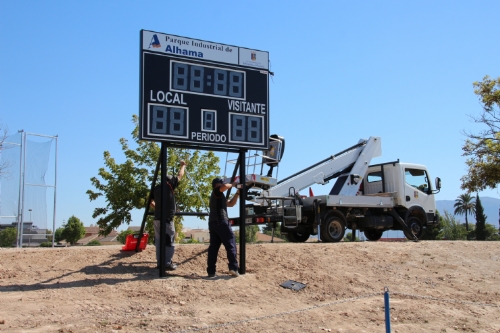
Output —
<point x="410" y="184"/>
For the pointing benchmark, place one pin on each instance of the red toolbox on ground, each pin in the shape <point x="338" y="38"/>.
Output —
<point x="131" y="242"/>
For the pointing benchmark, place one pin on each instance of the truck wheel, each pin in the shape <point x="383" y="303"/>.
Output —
<point x="333" y="229"/>
<point x="416" y="227"/>
<point x="373" y="235"/>
<point x="296" y="237"/>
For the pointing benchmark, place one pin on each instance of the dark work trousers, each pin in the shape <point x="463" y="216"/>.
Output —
<point x="221" y="233"/>
<point x="169" y="246"/>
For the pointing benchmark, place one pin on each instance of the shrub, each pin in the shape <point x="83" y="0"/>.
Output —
<point x="73" y="230"/>
<point x="58" y="235"/>
<point x="46" y="244"/>
<point x="8" y="237"/>
<point x="191" y="241"/>
<point x="348" y="237"/>
<point x="94" y="242"/>
<point x="122" y="236"/>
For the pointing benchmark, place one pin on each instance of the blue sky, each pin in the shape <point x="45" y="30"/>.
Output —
<point x="344" y="70"/>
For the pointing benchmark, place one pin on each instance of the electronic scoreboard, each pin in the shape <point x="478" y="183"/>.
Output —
<point x="203" y="94"/>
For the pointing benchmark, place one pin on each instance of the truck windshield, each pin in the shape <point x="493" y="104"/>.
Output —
<point x="417" y="178"/>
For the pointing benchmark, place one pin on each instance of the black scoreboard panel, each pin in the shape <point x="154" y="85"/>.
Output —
<point x="203" y="103"/>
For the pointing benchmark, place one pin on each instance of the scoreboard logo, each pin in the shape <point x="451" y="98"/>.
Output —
<point x="155" y="42"/>
<point x="254" y="56"/>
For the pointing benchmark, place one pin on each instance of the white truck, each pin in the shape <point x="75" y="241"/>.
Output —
<point x="369" y="198"/>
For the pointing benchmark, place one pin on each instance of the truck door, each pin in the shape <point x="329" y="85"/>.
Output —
<point x="418" y="189"/>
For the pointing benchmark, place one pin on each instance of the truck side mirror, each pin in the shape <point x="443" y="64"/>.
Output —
<point x="438" y="183"/>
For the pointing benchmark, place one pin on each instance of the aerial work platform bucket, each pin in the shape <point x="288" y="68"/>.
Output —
<point x="131" y="242"/>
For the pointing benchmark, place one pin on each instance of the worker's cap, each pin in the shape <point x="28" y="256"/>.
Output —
<point x="217" y="181"/>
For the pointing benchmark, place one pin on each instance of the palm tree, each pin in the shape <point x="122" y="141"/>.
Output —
<point x="465" y="204"/>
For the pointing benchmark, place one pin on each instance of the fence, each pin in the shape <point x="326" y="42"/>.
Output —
<point x="24" y="183"/>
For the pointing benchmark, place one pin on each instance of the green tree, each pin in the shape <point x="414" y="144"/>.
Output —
<point x="483" y="150"/>
<point x="472" y="233"/>
<point x="250" y="234"/>
<point x="58" y="235"/>
<point x="49" y="235"/>
<point x="491" y="232"/>
<point x="8" y="237"/>
<point x="464" y="204"/>
<point x="126" y="186"/>
<point x="432" y="232"/>
<point x="348" y="237"/>
<point x="268" y="230"/>
<point x="452" y="228"/>
<point x="73" y="230"/>
<point x="480" y="220"/>
<point x="494" y="237"/>
<point x="191" y="241"/>
<point x="122" y="236"/>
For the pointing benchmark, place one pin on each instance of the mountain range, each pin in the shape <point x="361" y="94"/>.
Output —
<point x="491" y="208"/>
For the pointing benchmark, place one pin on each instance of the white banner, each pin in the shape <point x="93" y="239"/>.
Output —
<point x="199" y="49"/>
<point x="254" y="58"/>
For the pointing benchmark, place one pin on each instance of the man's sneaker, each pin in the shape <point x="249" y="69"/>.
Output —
<point x="211" y="275"/>
<point x="171" y="266"/>
<point x="234" y="273"/>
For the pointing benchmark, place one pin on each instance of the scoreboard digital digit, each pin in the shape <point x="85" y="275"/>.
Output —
<point x="203" y="94"/>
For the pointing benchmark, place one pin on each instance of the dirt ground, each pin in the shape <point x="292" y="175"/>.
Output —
<point x="435" y="286"/>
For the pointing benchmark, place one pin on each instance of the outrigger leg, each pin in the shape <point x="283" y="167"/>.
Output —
<point x="403" y="224"/>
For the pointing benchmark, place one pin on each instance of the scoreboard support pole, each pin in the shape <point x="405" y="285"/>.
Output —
<point x="243" y="195"/>
<point x="163" y="221"/>
<point x="148" y="203"/>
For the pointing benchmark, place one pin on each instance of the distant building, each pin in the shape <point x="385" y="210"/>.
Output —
<point x="32" y="235"/>
<point x="92" y="233"/>
<point x="201" y="235"/>
<point x="134" y="229"/>
<point x="110" y="239"/>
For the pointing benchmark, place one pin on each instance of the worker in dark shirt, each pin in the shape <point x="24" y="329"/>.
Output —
<point x="220" y="230"/>
<point x="172" y="183"/>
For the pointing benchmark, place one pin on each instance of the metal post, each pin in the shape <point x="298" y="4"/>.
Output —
<point x="145" y="216"/>
<point x="19" y="208"/>
<point x="55" y="198"/>
<point x="387" y="311"/>
<point x="24" y="185"/>
<point x="272" y="235"/>
<point x="163" y="203"/>
<point x="317" y="216"/>
<point x="243" y="195"/>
